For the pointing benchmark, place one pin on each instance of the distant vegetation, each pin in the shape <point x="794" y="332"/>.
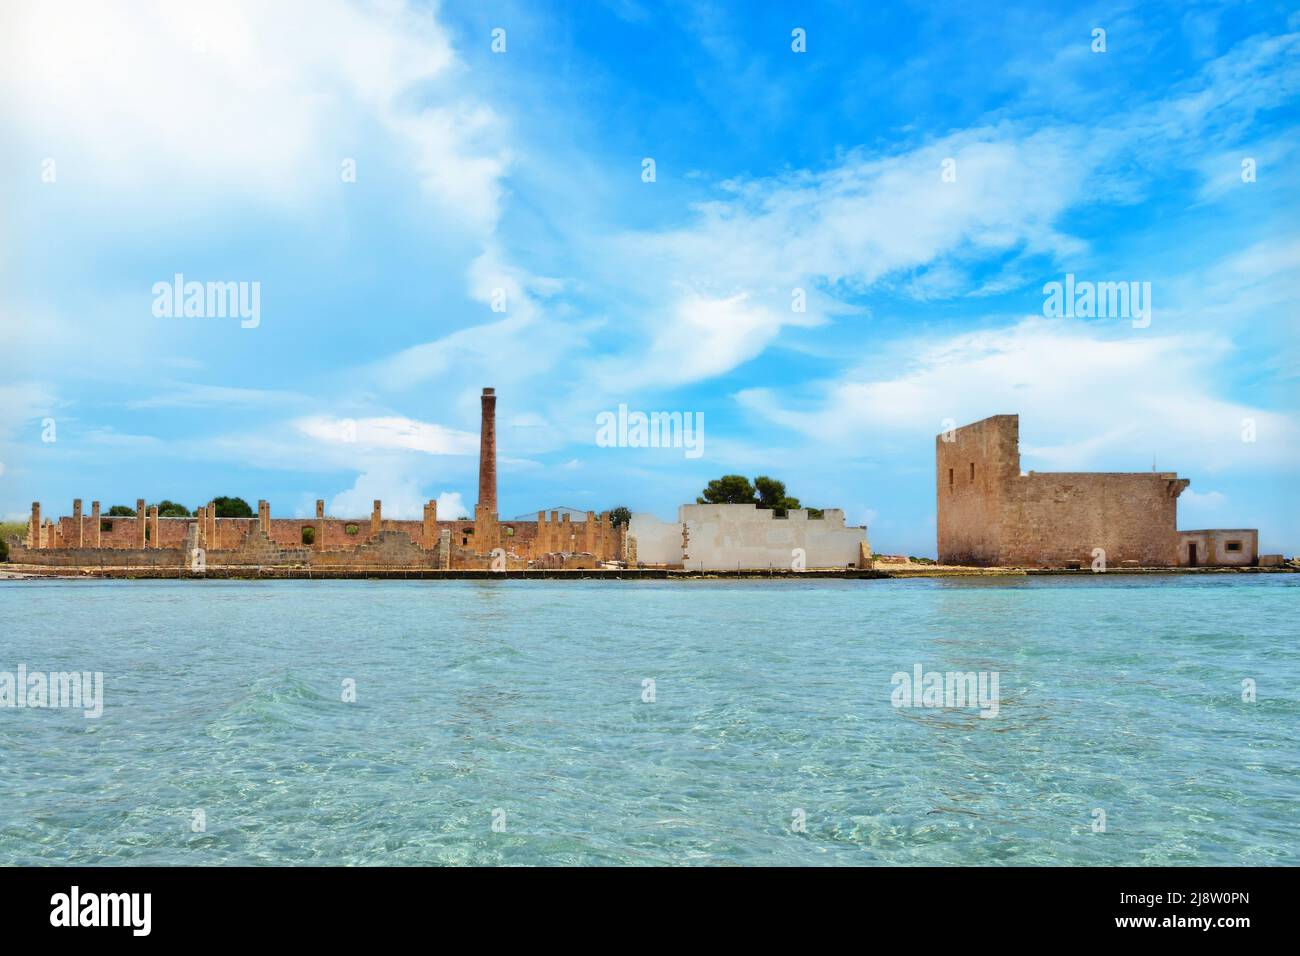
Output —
<point x="7" y="528"/>
<point x="620" y="516"/>
<point x="232" y="508"/>
<point x="166" y="509"/>
<point x="765" y="492"/>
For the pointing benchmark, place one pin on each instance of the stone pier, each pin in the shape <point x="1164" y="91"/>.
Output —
<point x="318" y="540"/>
<point x="96" y="528"/>
<point x="34" y="530"/>
<point x="79" y="527"/>
<point x="376" y="518"/>
<point x="141" y="522"/>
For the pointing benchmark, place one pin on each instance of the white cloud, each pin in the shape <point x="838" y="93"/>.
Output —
<point x="450" y="506"/>
<point x="1209" y="500"/>
<point x="1113" y="399"/>
<point x="869" y="217"/>
<point x="399" y="492"/>
<point x="22" y="403"/>
<point x="700" y="338"/>
<point x="393" y="432"/>
<point x="265" y="99"/>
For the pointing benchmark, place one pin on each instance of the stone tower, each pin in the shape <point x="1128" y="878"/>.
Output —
<point x="991" y="514"/>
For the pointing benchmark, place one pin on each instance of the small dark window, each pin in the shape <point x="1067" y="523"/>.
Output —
<point x="308" y="535"/>
<point x="949" y="477"/>
<point x="1233" y="546"/>
<point x="105" y="525"/>
<point x="464" y="540"/>
<point x="972" y="471"/>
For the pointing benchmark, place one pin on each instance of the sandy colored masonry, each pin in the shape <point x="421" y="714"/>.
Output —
<point x="992" y="514"/>
<point x="989" y="514"/>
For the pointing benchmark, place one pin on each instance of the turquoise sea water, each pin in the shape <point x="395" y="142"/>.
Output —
<point x="1116" y="693"/>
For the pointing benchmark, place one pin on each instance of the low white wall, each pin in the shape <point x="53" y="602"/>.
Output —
<point x="720" y="537"/>
<point x="657" y="542"/>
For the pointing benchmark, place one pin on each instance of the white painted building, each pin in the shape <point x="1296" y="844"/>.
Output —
<point x="723" y="537"/>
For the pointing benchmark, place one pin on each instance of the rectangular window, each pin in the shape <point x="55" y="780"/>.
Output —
<point x="972" y="471"/>
<point x="1233" y="545"/>
<point x="950" y="478"/>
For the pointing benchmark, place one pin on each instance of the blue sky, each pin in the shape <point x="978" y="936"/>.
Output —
<point x="141" y="142"/>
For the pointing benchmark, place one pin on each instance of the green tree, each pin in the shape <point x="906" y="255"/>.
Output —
<point x="620" y="516"/>
<point x="232" y="508"/>
<point x="728" y="490"/>
<point x="771" y="494"/>
<point x="765" y="492"/>
<point x="170" y="509"/>
<point x="121" y="511"/>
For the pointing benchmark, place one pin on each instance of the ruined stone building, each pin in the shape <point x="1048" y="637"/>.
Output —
<point x="150" y="540"/>
<point x="992" y="514"/>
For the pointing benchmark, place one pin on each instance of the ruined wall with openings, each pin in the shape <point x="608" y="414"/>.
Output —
<point x="154" y="541"/>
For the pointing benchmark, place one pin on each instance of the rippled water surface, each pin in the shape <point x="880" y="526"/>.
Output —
<point x="1122" y="694"/>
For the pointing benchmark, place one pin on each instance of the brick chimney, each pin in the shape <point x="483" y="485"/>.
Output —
<point x="487" y="456"/>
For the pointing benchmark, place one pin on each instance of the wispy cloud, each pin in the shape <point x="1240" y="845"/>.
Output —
<point x="392" y="432"/>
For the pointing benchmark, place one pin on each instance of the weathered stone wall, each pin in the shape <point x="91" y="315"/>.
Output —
<point x="1057" y="519"/>
<point x="990" y="514"/>
<point x="96" y="557"/>
<point x="975" y="466"/>
<point x="267" y="540"/>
